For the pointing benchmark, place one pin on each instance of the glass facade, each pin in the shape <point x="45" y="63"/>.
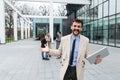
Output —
<point x="101" y="22"/>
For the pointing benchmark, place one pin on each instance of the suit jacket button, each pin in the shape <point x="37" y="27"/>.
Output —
<point x="60" y="61"/>
<point x="63" y="59"/>
<point x="62" y="64"/>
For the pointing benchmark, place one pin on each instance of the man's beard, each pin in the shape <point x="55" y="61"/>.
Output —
<point x="78" y="32"/>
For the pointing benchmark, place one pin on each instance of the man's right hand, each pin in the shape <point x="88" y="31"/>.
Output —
<point x="46" y="49"/>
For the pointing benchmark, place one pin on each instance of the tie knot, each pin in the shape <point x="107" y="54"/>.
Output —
<point x="74" y="40"/>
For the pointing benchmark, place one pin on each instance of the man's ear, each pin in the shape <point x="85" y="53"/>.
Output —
<point x="71" y="27"/>
<point x="80" y="29"/>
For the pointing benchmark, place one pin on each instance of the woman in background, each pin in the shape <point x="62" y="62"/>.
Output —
<point x="43" y="43"/>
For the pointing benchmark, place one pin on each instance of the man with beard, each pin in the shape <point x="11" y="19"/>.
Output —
<point x="73" y="50"/>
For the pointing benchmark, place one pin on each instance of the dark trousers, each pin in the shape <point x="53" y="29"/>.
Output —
<point x="70" y="73"/>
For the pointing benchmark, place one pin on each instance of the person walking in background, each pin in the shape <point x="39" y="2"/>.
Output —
<point x="58" y="40"/>
<point x="48" y="39"/>
<point x="73" y="50"/>
<point x="43" y="43"/>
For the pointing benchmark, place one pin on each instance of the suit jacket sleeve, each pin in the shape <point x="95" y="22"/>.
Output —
<point x="87" y="49"/>
<point x="57" y="52"/>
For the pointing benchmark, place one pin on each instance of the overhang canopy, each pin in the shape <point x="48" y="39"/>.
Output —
<point x="61" y="1"/>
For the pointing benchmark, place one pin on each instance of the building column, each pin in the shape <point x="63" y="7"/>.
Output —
<point x="15" y="26"/>
<point x="26" y="30"/>
<point x="2" y="22"/>
<point x="22" y="26"/>
<point x="51" y="21"/>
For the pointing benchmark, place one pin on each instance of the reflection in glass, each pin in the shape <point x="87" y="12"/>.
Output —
<point x="112" y="30"/>
<point x="100" y="31"/>
<point x="105" y="30"/>
<point x="118" y="31"/>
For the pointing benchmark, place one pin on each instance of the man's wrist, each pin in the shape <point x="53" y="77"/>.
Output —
<point x="48" y="50"/>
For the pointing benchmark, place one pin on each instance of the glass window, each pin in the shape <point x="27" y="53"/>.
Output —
<point x="95" y="31"/>
<point x="112" y="20"/>
<point x="95" y="13"/>
<point x="105" y="23"/>
<point x="118" y="18"/>
<point x="105" y="36"/>
<point x="88" y="30"/>
<point x="118" y="31"/>
<point x="112" y="36"/>
<point x="105" y="9"/>
<point x="100" y="24"/>
<point x="99" y="36"/>
<point x="118" y="35"/>
<point x="95" y="25"/>
<point x="100" y="11"/>
<point x="112" y="30"/>
<point x="112" y="7"/>
<point x="118" y="6"/>
<point x="78" y="12"/>
<point x="92" y="4"/>
<point x="91" y="14"/>
<point x="100" y="1"/>
<point x="95" y="36"/>
<point x="91" y="30"/>
<point x="95" y="2"/>
<point x="87" y="16"/>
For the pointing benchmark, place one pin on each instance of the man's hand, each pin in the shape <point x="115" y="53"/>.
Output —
<point x="46" y="49"/>
<point x="98" y="60"/>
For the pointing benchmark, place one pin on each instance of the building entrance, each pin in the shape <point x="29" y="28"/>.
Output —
<point x="41" y="28"/>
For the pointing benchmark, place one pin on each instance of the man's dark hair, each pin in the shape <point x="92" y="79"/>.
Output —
<point x="78" y="21"/>
<point x="42" y="36"/>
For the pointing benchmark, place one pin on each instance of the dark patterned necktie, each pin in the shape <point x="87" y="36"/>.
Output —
<point x="72" y="52"/>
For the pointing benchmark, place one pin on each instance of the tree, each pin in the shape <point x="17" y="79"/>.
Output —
<point x="9" y="21"/>
<point x="62" y="10"/>
<point x="44" y="10"/>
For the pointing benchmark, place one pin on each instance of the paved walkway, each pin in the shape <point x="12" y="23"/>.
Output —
<point x="22" y="60"/>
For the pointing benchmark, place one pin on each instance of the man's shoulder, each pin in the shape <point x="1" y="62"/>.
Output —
<point x="65" y="37"/>
<point x="84" y="37"/>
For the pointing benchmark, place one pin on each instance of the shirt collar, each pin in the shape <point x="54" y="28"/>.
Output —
<point x="75" y="37"/>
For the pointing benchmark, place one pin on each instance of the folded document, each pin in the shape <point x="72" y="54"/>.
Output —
<point x="100" y="53"/>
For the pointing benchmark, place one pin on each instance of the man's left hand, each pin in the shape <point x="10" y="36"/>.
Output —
<point x="98" y="60"/>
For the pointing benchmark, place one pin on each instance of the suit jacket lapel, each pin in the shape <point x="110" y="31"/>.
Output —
<point x="68" y="46"/>
<point x="80" y="47"/>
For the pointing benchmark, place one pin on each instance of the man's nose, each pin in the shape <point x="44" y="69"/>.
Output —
<point x="76" y="27"/>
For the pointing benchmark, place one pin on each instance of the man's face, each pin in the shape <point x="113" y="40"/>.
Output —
<point x="76" y="28"/>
